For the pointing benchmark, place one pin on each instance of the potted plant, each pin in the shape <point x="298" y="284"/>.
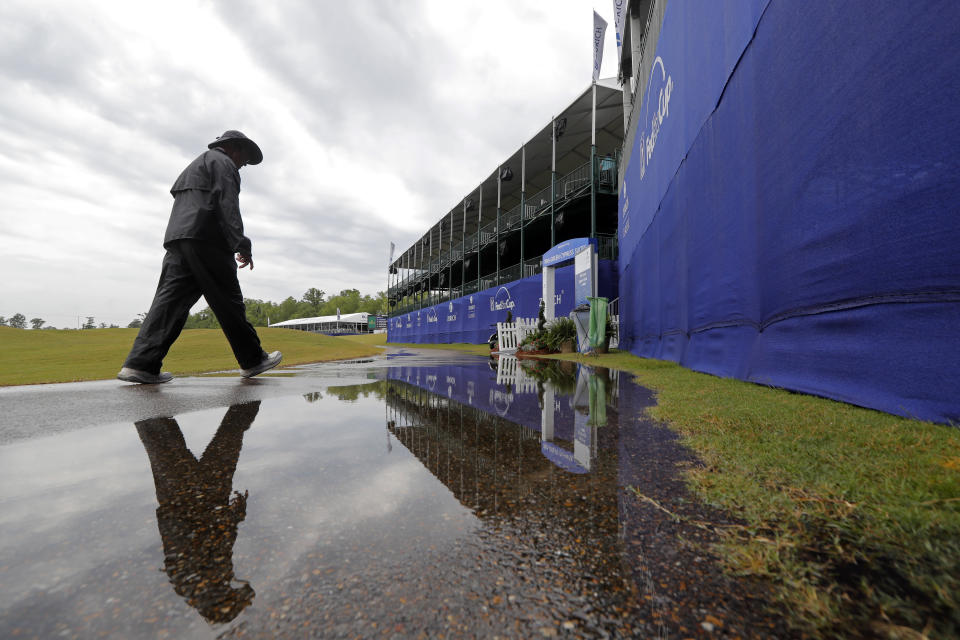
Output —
<point x="608" y="332"/>
<point x="562" y="335"/>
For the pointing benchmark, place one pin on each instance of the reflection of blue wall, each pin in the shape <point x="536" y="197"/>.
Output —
<point x="473" y="318"/>
<point x="788" y="214"/>
<point x="476" y="386"/>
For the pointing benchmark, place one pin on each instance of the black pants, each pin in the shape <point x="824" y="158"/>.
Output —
<point x="191" y="269"/>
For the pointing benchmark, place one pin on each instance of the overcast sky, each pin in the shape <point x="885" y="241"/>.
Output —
<point x="374" y="117"/>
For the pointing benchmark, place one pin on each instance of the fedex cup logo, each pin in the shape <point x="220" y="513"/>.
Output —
<point x="432" y="315"/>
<point x="501" y="300"/>
<point x="624" y="209"/>
<point x="501" y="401"/>
<point x="661" y="111"/>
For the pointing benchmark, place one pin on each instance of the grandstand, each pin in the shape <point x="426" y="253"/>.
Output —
<point x="556" y="186"/>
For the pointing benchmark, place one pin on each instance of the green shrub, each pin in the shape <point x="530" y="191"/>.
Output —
<point x="559" y="331"/>
<point x="536" y="341"/>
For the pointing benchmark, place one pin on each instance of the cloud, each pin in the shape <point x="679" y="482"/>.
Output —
<point x="375" y="119"/>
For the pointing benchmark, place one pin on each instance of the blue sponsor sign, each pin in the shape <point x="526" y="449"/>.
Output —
<point x="473" y="318"/>
<point x="566" y="251"/>
<point x="583" y="276"/>
<point x="561" y="457"/>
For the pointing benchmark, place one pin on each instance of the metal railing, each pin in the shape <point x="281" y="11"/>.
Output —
<point x="510" y="219"/>
<point x="574" y="182"/>
<point x="511" y="273"/>
<point x="488" y="233"/>
<point x="607" y="174"/>
<point x="613" y="311"/>
<point x="532" y="267"/>
<point x="471" y="241"/>
<point x="537" y="203"/>
<point x="607" y="247"/>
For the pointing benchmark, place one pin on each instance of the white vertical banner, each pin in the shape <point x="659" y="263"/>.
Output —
<point x="599" y="30"/>
<point x="392" y="248"/>
<point x="619" y="16"/>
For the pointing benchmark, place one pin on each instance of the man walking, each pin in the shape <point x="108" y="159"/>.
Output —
<point x="204" y="232"/>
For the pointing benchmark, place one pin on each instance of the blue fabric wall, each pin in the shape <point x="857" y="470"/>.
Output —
<point x="790" y="218"/>
<point x="473" y="318"/>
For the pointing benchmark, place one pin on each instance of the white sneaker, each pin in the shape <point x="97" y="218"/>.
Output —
<point x="266" y="364"/>
<point x="143" y="377"/>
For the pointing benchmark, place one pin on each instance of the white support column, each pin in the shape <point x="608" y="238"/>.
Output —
<point x="549" y="286"/>
<point x="547" y="414"/>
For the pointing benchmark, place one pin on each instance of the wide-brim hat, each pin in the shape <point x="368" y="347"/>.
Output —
<point x="237" y="137"/>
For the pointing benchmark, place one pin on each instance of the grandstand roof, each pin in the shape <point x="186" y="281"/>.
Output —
<point x="573" y="150"/>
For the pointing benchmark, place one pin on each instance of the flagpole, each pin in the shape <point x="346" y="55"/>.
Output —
<point x="553" y="179"/>
<point x="497" y="238"/>
<point x="599" y="31"/>
<point x="523" y="205"/>
<point x="593" y="165"/>
<point x="479" y="222"/>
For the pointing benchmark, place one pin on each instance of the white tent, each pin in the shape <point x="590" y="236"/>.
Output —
<point x="343" y="323"/>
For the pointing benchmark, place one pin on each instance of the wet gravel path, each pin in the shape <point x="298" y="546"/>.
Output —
<point x="369" y="501"/>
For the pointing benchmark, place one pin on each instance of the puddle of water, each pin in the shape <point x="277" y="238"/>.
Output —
<point x="463" y="499"/>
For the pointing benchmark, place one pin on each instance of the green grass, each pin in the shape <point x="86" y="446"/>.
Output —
<point x="33" y="357"/>
<point x="367" y="338"/>
<point x="852" y="514"/>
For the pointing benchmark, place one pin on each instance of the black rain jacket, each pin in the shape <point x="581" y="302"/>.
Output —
<point x="206" y="204"/>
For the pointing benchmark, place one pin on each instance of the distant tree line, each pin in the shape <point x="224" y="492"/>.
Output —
<point x="259" y="312"/>
<point x="313" y="303"/>
<point x="19" y="321"/>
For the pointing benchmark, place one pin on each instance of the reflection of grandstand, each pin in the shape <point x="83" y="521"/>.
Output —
<point x="485" y="460"/>
<point x="491" y="464"/>
<point x="555" y="187"/>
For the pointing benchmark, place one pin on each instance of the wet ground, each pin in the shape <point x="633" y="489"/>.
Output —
<point x="417" y="494"/>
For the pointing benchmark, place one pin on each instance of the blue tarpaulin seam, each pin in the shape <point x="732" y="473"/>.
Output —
<point x="726" y="83"/>
<point x="843" y="305"/>
<point x="867" y="301"/>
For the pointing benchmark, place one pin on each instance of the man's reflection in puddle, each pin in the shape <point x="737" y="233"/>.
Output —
<point x="198" y="516"/>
